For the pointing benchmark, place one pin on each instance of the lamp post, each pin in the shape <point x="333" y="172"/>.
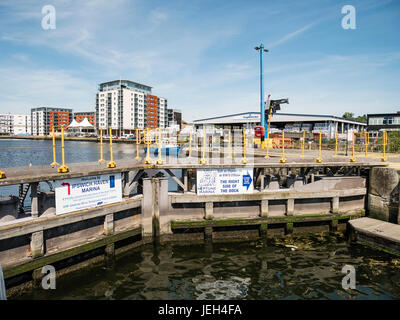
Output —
<point x="262" y="107"/>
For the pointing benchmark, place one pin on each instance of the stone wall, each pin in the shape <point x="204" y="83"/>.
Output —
<point x="383" y="194"/>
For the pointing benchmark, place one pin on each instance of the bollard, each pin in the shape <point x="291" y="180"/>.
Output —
<point x="244" y="160"/>
<point x="148" y="159"/>
<point x="283" y="159"/>
<point x="111" y="164"/>
<point x="63" y="168"/>
<point x="101" y="146"/>
<point x="353" y="158"/>
<point x="384" y="142"/>
<point x="159" y="161"/>
<point x="229" y="144"/>
<point x="190" y="144"/>
<point x="203" y="159"/>
<point x="54" y="163"/>
<point x="335" y="154"/>
<point x="137" y="143"/>
<point x="302" y="144"/>
<point x="366" y="142"/>
<point x="319" y="159"/>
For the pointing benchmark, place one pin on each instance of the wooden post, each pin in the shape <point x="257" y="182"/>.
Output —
<point x="335" y="205"/>
<point x="37" y="244"/>
<point x="264" y="208"/>
<point x="35" y="200"/>
<point x="290" y="207"/>
<point x="209" y="210"/>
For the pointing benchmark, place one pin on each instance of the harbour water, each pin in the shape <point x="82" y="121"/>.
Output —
<point x="244" y="270"/>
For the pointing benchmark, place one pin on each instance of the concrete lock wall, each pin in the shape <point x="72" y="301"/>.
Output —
<point x="8" y="209"/>
<point x="27" y="243"/>
<point x="383" y="194"/>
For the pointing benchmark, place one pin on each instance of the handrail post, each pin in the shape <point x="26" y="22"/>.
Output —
<point x="302" y="144"/>
<point x="111" y="164"/>
<point x="203" y="159"/>
<point x="336" y="145"/>
<point x="384" y="142"/>
<point x="319" y="159"/>
<point x="190" y="144"/>
<point x="63" y="168"/>
<point x="148" y="158"/>
<point x="283" y="159"/>
<point x="159" y="161"/>
<point x="101" y="146"/>
<point x="54" y="163"/>
<point x="244" y="159"/>
<point x="137" y="143"/>
<point x="353" y="158"/>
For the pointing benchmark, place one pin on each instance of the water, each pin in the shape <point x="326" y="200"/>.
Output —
<point x="16" y="153"/>
<point x="245" y="270"/>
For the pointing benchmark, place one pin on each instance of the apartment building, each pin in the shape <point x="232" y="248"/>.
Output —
<point x="44" y="118"/>
<point x="15" y="124"/>
<point x="125" y="105"/>
<point x="90" y="115"/>
<point x="174" y="117"/>
<point x="21" y="124"/>
<point x="5" y="124"/>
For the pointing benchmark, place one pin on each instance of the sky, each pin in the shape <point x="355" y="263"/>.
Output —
<point x="200" y="54"/>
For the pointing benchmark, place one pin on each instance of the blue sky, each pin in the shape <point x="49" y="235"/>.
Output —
<point x="200" y="54"/>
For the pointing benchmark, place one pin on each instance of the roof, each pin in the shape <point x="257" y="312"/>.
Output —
<point x="83" y="124"/>
<point x="73" y="124"/>
<point x="252" y="117"/>
<point x="120" y="81"/>
<point x="383" y="114"/>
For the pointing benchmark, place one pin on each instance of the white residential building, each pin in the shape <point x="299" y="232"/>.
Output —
<point x="125" y="106"/>
<point x="5" y="123"/>
<point x="15" y="124"/>
<point x="21" y="124"/>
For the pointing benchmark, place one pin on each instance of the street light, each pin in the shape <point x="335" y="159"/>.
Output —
<point x="262" y="108"/>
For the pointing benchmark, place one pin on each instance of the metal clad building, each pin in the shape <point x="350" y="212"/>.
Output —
<point x="291" y="122"/>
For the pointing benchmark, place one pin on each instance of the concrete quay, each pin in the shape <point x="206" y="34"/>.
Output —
<point x="376" y="233"/>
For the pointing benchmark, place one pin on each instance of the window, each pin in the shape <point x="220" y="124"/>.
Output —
<point x="388" y="120"/>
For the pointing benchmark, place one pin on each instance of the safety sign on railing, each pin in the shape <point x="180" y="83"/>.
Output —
<point x="224" y="181"/>
<point x="87" y="192"/>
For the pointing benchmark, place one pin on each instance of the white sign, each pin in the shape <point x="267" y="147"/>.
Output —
<point x="225" y="181"/>
<point x="87" y="192"/>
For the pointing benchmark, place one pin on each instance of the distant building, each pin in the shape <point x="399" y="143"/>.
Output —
<point x="290" y="122"/>
<point x="125" y="105"/>
<point x="44" y="118"/>
<point x="21" y="124"/>
<point x="5" y="124"/>
<point x="15" y="124"/>
<point x="90" y="115"/>
<point x="383" y="121"/>
<point x="174" y="118"/>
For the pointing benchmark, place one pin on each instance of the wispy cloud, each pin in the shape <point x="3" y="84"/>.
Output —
<point x="291" y="35"/>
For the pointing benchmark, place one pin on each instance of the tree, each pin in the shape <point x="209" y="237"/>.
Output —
<point x="350" y="116"/>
